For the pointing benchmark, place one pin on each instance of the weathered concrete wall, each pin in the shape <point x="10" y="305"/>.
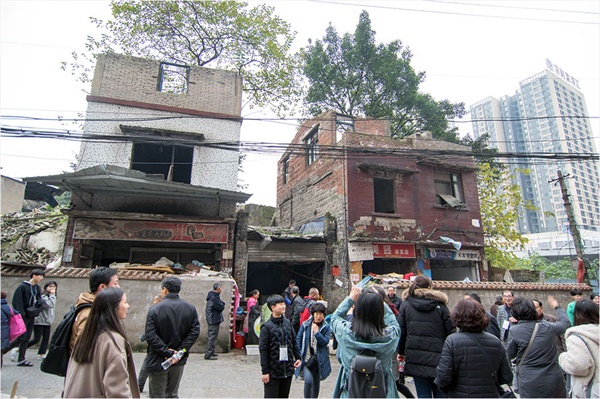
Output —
<point x="13" y="193"/>
<point x="140" y="294"/>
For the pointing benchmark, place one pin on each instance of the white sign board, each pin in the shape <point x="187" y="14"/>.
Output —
<point x="359" y="251"/>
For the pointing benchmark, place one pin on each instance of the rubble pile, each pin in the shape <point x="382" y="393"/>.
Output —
<point x="18" y="227"/>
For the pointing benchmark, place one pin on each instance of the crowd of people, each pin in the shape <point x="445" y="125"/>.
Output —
<point x="465" y="351"/>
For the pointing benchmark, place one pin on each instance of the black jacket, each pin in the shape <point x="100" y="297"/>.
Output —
<point x="297" y="306"/>
<point x="214" y="308"/>
<point x="170" y="324"/>
<point x="272" y="334"/>
<point x="463" y="370"/>
<point x="396" y="301"/>
<point x="425" y="323"/>
<point x="25" y="296"/>
<point x="493" y="328"/>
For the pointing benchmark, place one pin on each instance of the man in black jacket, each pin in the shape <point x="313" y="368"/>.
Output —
<point x="395" y="299"/>
<point x="279" y="354"/>
<point x="297" y="306"/>
<point x="171" y="325"/>
<point x="214" y="318"/>
<point x="27" y="294"/>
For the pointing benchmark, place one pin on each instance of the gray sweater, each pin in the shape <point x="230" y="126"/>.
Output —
<point x="46" y="318"/>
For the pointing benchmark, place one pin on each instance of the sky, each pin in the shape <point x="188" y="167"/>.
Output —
<point x="470" y="50"/>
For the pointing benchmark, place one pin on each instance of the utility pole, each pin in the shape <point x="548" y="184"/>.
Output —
<point x="572" y="224"/>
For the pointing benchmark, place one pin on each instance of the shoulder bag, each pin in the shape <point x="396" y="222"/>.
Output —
<point x="16" y="325"/>
<point x="588" y="387"/>
<point x="503" y="393"/>
<point x="527" y="349"/>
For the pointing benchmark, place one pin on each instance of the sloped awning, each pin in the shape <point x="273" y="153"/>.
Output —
<point x="116" y="180"/>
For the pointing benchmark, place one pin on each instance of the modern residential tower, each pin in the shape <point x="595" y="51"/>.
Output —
<point x="547" y="114"/>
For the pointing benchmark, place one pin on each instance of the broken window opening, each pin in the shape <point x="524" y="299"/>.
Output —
<point x="448" y="186"/>
<point x="383" y="192"/>
<point x="173" y="78"/>
<point x="167" y="162"/>
<point x="343" y="123"/>
<point x="286" y="169"/>
<point x="312" y="141"/>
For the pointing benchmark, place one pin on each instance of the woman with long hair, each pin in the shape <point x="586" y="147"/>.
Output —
<point x="101" y="365"/>
<point x="473" y="362"/>
<point x="43" y="321"/>
<point x="537" y="373"/>
<point x="312" y="340"/>
<point x="581" y="360"/>
<point x="425" y="323"/>
<point x="373" y="328"/>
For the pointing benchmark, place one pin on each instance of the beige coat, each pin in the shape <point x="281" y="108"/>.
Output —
<point x="581" y="360"/>
<point x="110" y="375"/>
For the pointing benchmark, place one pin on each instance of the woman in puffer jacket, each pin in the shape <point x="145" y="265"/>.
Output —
<point x="43" y="321"/>
<point x="425" y="323"/>
<point x="581" y="360"/>
<point x="472" y="357"/>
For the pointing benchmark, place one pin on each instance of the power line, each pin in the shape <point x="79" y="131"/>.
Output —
<point x="453" y="13"/>
<point x="514" y="8"/>
<point x="293" y="149"/>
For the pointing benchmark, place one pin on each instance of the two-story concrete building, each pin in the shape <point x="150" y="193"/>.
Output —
<point x="157" y="171"/>
<point x="397" y="206"/>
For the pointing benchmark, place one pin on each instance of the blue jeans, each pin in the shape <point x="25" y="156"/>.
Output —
<point x="312" y="383"/>
<point x="426" y="388"/>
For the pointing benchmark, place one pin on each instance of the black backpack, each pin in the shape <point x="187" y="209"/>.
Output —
<point x="57" y="358"/>
<point x="366" y="379"/>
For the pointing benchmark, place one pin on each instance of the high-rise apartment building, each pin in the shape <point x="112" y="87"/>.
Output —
<point x="547" y="114"/>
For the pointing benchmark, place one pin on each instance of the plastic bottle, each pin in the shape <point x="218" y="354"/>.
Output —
<point x="169" y="362"/>
<point x="401" y="364"/>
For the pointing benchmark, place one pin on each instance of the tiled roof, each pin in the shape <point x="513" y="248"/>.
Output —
<point x="75" y="272"/>
<point x="499" y="286"/>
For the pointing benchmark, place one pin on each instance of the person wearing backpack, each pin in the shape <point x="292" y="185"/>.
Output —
<point x="373" y="328"/>
<point x="309" y="300"/>
<point x="312" y="341"/>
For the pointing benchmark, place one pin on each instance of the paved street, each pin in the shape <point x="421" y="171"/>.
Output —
<point x="234" y="375"/>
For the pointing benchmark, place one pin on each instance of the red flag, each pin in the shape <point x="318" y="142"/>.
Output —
<point x="580" y="271"/>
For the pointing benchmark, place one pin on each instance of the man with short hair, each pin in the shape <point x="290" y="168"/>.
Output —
<point x="287" y="296"/>
<point x="505" y="319"/>
<point x="297" y="308"/>
<point x="171" y="325"/>
<point x="309" y="300"/>
<point x="214" y="318"/>
<point x="395" y="299"/>
<point x="577" y="295"/>
<point x="100" y="278"/>
<point x="27" y="294"/>
<point x="492" y="327"/>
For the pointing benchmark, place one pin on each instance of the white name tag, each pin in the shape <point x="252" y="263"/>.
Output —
<point x="506" y="325"/>
<point x="283" y="354"/>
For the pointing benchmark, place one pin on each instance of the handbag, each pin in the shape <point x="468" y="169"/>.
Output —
<point x="34" y="310"/>
<point x="503" y="393"/>
<point x="16" y="325"/>
<point x="312" y="363"/>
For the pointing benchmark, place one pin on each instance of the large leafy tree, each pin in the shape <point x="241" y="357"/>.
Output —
<point x="355" y="76"/>
<point x="221" y="34"/>
<point x="501" y="202"/>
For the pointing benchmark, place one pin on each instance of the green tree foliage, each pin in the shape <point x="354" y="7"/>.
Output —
<point x="501" y="202"/>
<point x="355" y="76"/>
<point x="220" y="34"/>
<point x="561" y="269"/>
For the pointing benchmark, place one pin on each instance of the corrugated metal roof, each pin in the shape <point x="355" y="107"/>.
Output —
<point x="497" y="286"/>
<point x="110" y="179"/>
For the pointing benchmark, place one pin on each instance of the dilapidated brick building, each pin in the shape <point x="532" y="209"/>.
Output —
<point x="398" y="206"/>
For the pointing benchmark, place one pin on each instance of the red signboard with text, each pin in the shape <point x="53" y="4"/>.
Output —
<point x="134" y="230"/>
<point x="394" y="251"/>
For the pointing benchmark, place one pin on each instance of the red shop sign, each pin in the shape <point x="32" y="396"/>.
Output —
<point x="394" y="251"/>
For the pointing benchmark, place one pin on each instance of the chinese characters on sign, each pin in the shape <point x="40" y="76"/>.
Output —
<point x="104" y="229"/>
<point x="554" y="68"/>
<point x="440" y="254"/>
<point x="393" y="251"/>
